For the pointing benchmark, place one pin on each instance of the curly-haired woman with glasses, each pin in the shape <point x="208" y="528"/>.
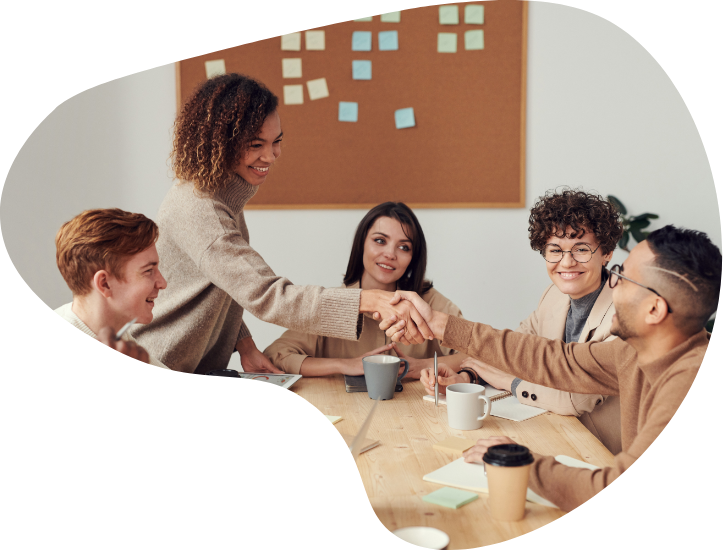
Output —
<point x="575" y="233"/>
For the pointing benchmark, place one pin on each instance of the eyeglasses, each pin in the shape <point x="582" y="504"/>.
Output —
<point x="581" y="252"/>
<point x="615" y="276"/>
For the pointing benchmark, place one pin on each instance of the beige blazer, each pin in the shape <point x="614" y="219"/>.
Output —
<point x="600" y="414"/>
<point x="293" y="347"/>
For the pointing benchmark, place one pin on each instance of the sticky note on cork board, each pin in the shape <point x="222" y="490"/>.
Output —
<point x="453" y="444"/>
<point x="291" y="42"/>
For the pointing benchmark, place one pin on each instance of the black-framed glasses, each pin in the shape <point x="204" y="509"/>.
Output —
<point x="581" y="252"/>
<point x="615" y="277"/>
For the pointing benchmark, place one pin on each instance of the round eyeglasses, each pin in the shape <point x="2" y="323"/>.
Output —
<point x="616" y="276"/>
<point x="581" y="252"/>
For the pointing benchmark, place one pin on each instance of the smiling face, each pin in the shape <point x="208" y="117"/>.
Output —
<point x="387" y="254"/>
<point x="133" y="296"/>
<point x="629" y="319"/>
<point x="573" y="278"/>
<point x="262" y="152"/>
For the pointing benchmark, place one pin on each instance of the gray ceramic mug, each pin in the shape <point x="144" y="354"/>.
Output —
<point x="382" y="375"/>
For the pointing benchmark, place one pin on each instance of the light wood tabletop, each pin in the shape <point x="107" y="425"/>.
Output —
<point x="408" y="427"/>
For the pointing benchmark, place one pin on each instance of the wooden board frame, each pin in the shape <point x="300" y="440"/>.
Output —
<point x="188" y="76"/>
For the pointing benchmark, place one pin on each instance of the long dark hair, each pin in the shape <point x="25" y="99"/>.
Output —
<point x="413" y="278"/>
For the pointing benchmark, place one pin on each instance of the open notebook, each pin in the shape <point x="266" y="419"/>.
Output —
<point x="471" y="476"/>
<point x="504" y="405"/>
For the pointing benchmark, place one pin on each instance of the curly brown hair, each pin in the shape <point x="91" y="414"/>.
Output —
<point x="215" y="126"/>
<point x="582" y="211"/>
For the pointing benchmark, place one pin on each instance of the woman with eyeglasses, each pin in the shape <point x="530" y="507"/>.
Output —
<point x="576" y="233"/>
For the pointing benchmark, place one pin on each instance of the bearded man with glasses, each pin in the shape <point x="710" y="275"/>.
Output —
<point x="663" y="294"/>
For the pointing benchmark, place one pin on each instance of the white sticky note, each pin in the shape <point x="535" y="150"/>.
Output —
<point x="215" y="67"/>
<point x="315" y="40"/>
<point x="392" y="17"/>
<point x="474" y="40"/>
<point x="474" y="14"/>
<point x="291" y="42"/>
<point x="448" y="15"/>
<point x="293" y="94"/>
<point x="362" y="19"/>
<point x="447" y="43"/>
<point x="317" y="88"/>
<point x="291" y="67"/>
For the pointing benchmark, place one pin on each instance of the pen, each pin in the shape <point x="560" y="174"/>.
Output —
<point x="125" y="328"/>
<point x="436" y="382"/>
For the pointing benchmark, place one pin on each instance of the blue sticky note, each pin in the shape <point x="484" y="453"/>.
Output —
<point x="388" y="40"/>
<point x="404" y="118"/>
<point x="348" y="111"/>
<point x="361" y="41"/>
<point x="361" y="69"/>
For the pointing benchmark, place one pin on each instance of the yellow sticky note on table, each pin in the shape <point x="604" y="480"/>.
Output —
<point x="456" y="445"/>
<point x="293" y="94"/>
<point x="291" y="67"/>
<point x="392" y="17"/>
<point x="446" y="43"/>
<point x="317" y="88"/>
<point x="448" y="15"/>
<point x="333" y="418"/>
<point x="291" y="42"/>
<point x="315" y="40"/>
<point x="215" y="67"/>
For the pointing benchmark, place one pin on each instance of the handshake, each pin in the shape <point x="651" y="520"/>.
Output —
<point x="404" y="316"/>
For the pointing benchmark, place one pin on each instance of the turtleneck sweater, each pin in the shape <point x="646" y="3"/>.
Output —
<point x="580" y="309"/>
<point x="214" y="274"/>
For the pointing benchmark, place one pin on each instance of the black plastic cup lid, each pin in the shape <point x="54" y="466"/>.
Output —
<point x="508" y="455"/>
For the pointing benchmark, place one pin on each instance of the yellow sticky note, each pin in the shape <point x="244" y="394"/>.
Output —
<point x="215" y="67"/>
<point x="317" y="88"/>
<point x="291" y="67"/>
<point x="291" y="42"/>
<point x="392" y="17"/>
<point x="293" y="94"/>
<point x="456" y="445"/>
<point x="333" y="418"/>
<point x="315" y="40"/>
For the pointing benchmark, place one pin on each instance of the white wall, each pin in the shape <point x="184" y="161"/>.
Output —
<point x="601" y="115"/>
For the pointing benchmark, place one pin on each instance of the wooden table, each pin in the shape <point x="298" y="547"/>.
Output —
<point x="408" y="427"/>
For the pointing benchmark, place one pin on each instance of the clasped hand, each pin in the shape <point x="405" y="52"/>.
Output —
<point x="405" y="317"/>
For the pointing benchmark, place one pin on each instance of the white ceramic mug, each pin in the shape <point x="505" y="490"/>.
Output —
<point x="464" y="406"/>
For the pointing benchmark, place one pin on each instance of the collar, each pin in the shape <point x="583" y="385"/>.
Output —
<point x="654" y="370"/>
<point x="236" y="193"/>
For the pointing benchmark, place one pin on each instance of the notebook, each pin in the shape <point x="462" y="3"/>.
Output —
<point x="504" y="405"/>
<point x="471" y="476"/>
<point x="357" y="383"/>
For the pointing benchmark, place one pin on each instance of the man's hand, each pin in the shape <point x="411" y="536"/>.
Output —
<point x="436" y="321"/>
<point x="411" y="327"/>
<point x="446" y="377"/>
<point x="354" y="366"/>
<point x="130" y="349"/>
<point x="492" y="375"/>
<point x="252" y="360"/>
<point x="476" y="452"/>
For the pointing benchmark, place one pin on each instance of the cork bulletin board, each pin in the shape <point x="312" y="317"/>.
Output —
<point x="466" y="147"/>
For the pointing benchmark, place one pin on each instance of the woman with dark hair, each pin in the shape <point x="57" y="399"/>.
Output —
<point x="227" y="137"/>
<point x="575" y="233"/>
<point x="388" y="252"/>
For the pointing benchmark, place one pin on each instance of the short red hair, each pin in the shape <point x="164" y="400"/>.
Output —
<point x="100" y="239"/>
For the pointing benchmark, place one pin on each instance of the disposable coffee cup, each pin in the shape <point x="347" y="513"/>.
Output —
<point x="381" y="374"/>
<point x="467" y="406"/>
<point x="508" y="471"/>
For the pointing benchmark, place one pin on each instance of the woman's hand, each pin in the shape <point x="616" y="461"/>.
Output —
<point x="447" y="376"/>
<point x="491" y="375"/>
<point x="252" y="360"/>
<point x="476" y="452"/>
<point x="415" y="365"/>
<point x="355" y="366"/>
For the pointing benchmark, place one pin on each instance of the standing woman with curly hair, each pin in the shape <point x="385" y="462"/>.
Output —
<point x="575" y="233"/>
<point x="227" y="137"/>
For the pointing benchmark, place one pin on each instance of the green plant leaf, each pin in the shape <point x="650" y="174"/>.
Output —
<point x="623" y="243"/>
<point x="639" y="224"/>
<point x="617" y="204"/>
<point x="645" y="216"/>
<point x="710" y="324"/>
<point x="638" y="234"/>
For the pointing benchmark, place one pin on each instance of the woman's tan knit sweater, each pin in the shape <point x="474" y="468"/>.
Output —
<point x="213" y="274"/>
